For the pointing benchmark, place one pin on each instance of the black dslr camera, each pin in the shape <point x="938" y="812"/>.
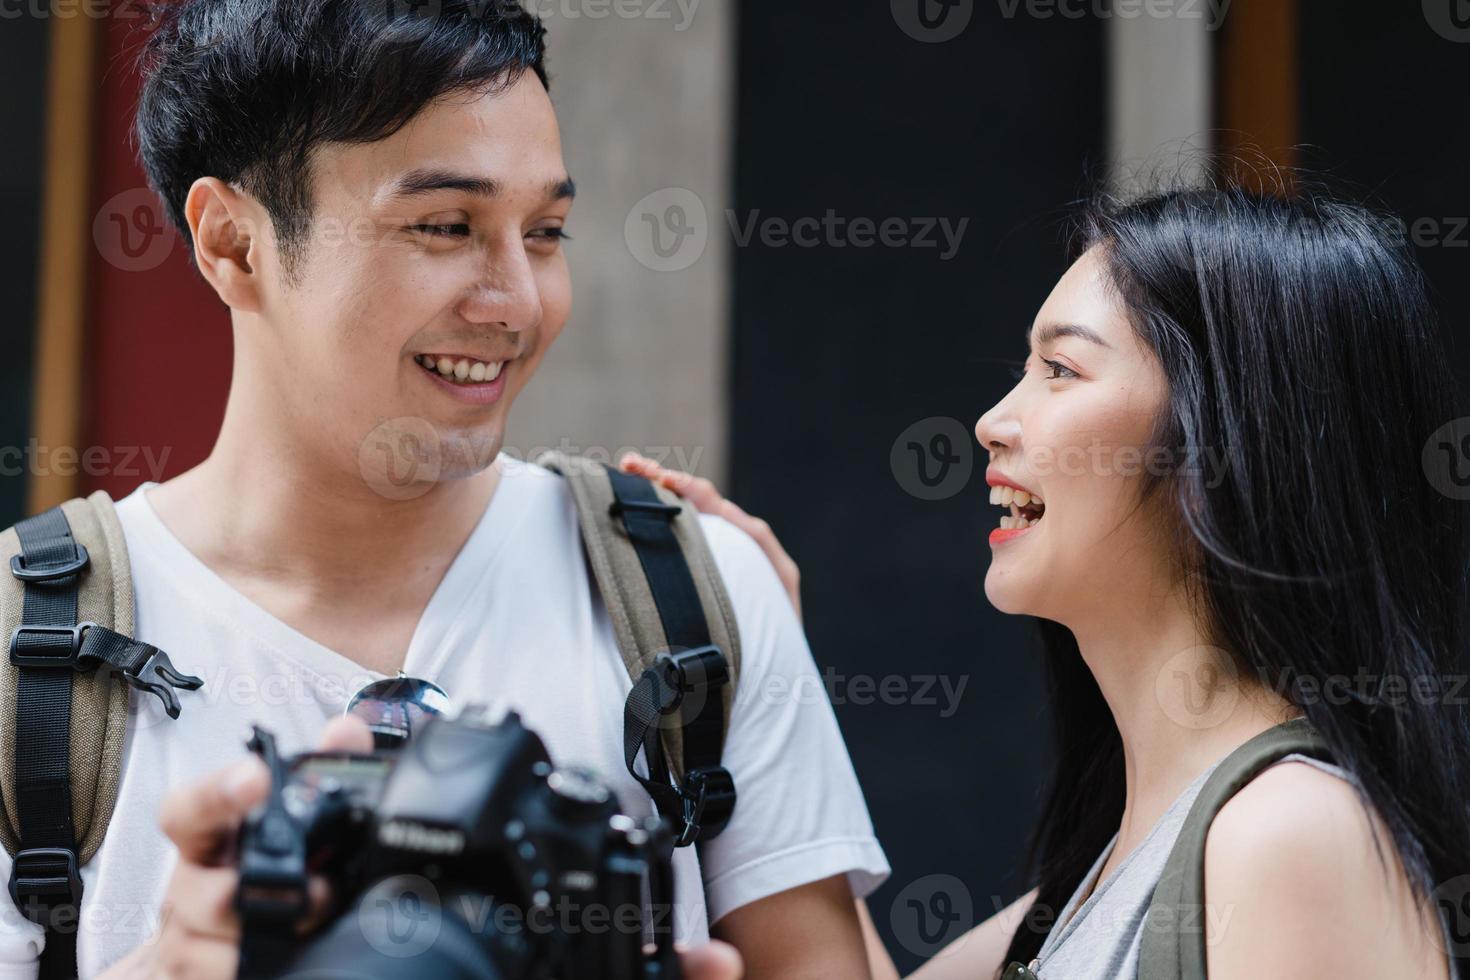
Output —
<point x="463" y="854"/>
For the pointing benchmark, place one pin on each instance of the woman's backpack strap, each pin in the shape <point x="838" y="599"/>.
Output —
<point x="676" y="632"/>
<point x="66" y="610"/>
<point x="1173" y="945"/>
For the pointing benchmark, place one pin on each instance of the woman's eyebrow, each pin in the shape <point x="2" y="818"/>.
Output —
<point x="1055" y="331"/>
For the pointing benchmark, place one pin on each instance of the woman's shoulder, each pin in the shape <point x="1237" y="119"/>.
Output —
<point x="1302" y="877"/>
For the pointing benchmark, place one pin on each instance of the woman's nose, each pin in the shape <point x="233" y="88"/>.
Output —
<point x="998" y="429"/>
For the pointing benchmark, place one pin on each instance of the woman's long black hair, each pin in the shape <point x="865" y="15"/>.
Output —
<point x="1298" y="341"/>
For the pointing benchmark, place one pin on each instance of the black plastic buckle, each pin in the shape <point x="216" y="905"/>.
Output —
<point x="43" y="879"/>
<point x="158" y="676"/>
<point x="619" y="506"/>
<point x="49" y="573"/>
<point x="683" y="672"/>
<point x="52" y="654"/>
<point x="705" y="789"/>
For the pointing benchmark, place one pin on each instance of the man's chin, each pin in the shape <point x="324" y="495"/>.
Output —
<point x="465" y="453"/>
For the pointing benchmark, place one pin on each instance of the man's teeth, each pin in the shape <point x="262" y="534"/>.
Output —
<point x="463" y="369"/>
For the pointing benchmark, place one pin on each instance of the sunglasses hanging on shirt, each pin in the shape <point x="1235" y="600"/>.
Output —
<point x="396" y="707"/>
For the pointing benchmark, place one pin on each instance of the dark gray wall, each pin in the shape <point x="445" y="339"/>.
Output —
<point x="838" y="350"/>
<point x="1382" y="105"/>
<point x="22" y="77"/>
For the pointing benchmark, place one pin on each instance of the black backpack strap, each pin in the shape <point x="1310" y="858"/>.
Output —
<point x="44" y="881"/>
<point x="1173" y="946"/>
<point x="50" y="649"/>
<point x="686" y="682"/>
<point x="677" y="635"/>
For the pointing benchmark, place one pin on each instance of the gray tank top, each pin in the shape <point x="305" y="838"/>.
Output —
<point x="1100" y="940"/>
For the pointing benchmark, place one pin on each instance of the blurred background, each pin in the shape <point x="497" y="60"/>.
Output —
<point x="808" y="240"/>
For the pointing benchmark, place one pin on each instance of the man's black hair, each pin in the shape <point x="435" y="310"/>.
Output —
<point x="243" y="90"/>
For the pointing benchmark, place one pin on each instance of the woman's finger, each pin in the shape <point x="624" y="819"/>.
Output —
<point x="706" y="497"/>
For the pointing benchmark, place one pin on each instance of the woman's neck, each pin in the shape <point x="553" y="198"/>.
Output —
<point x="1179" y="702"/>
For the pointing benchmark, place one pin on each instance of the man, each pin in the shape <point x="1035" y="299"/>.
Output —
<point x="380" y="201"/>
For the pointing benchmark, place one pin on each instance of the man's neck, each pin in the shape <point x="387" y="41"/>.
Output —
<point x="322" y="532"/>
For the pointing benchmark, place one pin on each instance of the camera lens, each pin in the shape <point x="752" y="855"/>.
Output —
<point x="401" y="928"/>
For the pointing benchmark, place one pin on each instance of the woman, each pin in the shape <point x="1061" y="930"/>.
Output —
<point x="1214" y="463"/>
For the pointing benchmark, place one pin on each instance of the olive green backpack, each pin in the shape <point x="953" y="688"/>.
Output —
<point x="67" y="607"/>
<point x="1173" y="946"/>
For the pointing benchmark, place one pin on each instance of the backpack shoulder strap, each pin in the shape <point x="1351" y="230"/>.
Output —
<point x="66" y="608"/>
<point x="1173" y="945"/>
<point x="676" y="632"/>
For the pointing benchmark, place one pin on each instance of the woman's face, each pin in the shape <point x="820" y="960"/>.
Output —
<point x="1073" y="432"/>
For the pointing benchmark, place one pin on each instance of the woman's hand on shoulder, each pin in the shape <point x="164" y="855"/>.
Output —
<point x="1294" y="887"/>
<point x="706" y="497"/>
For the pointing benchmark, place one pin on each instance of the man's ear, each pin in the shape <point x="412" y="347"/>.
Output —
<point x="228" y="230"/>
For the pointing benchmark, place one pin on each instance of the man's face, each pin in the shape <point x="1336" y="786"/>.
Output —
<point x="438" y="245"/>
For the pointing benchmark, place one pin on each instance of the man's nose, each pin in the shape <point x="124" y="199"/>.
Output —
<point x="507" y="294"/>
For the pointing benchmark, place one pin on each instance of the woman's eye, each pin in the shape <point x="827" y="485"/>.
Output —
<point x="1056" y="369"/>
<point x="552" y="234"/>
<point x="1059" y="371"/>
<point x="443" y="231"/>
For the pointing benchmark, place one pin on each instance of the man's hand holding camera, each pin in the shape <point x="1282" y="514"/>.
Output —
<point x="200" y="932"/>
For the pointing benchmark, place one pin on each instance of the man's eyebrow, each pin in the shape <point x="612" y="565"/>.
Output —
<point x="425" y="181"/>
<point x="1055" y="331"/>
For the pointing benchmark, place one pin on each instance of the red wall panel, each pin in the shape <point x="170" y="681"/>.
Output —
<point x="157" y="363"/>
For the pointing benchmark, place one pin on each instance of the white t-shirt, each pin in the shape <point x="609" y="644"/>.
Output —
<point x="516" y="622"/>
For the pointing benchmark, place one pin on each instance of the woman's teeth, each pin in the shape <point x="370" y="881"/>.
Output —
<point x="462" y="370"/>
<point x="1026" y="508"/>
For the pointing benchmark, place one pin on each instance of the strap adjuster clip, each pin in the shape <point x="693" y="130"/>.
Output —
<point x="684" y="672"/>
<point x="43" y="879"/>
<point x="50" y="654"/>
<point x="49" y="573"/>
<point x="619" y="506"/>
<point x="705" y="789"/>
